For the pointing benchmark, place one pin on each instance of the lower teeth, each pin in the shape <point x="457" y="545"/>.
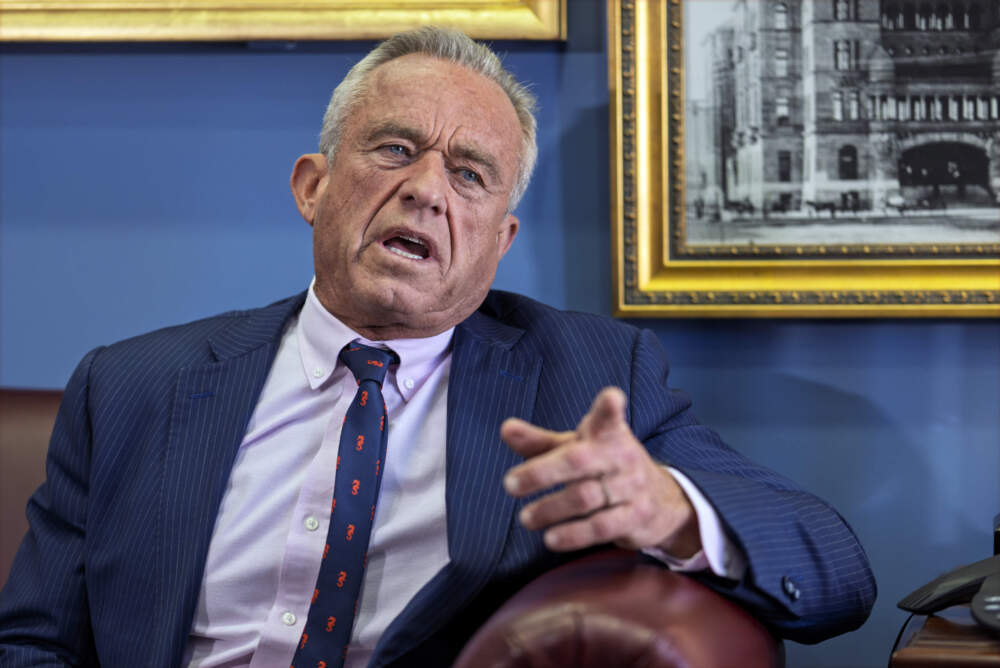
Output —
<point x="398" y="251"/>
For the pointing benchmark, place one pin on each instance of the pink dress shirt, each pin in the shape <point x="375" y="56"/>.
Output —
<point x="267" y="544"/>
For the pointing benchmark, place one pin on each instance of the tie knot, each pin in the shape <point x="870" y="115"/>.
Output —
<point x="367" y="363"/>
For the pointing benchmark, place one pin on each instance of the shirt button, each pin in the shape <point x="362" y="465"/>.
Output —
<point x="317" y="373"/>
<point x="408" y="383"/>
<point x="312" y="523"/>
<point x="288" y="618"/>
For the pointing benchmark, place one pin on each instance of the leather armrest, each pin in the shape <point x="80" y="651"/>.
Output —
<point x="26" y="419"/>
<point x="614" y="608"/>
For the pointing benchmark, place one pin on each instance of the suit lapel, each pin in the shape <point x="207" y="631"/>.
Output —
<point x="212" y="404"/>
<point x="490" y="381"/>
<point x="492" y="384"/>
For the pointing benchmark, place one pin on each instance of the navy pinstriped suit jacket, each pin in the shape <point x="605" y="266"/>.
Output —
<point x="110" y="570"/>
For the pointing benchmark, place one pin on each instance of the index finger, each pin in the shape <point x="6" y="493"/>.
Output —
<point x="529" y="440"/>
<point x="572" y="460"/>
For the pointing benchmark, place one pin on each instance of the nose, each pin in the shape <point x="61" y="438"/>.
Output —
<point x="426" y="184"/>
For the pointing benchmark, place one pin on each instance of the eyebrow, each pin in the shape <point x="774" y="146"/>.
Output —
<point x="461" y="151"/>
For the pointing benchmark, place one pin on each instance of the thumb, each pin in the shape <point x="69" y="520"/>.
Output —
<point x="606" y="413"/>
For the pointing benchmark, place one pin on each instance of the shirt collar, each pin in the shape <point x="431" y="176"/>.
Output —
<point x="322" y="336"/>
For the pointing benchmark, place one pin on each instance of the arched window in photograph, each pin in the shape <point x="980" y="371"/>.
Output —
<point x="887" y="107"/>
<point x="924" y="17"/>
<point x="784" y="166"/>
<point x="781" y="16"/>
<point x="781" y="62"/>
<point x="900" y="19"/>
<point x="970" y="108"/>
<point x="782" y="110"/>
<point x="947" y="16"/>
<point x="838" y="105"/>
<point x="842" y="55"/>
<point x="854" y="105"/>
<point x="847" y="163"/>
<point x="937" y="18"/>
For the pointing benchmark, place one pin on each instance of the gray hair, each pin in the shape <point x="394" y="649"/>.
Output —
<point x="450" y="45"/>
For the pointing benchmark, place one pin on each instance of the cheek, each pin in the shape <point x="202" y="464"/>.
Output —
<point x="482" y="257"/>
<point x="344" y="215"/>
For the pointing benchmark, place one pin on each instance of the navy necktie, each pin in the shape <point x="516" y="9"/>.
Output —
<point x="359" y="473"/>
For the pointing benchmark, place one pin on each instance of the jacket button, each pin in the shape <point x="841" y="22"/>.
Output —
<point x="790" y="589"/>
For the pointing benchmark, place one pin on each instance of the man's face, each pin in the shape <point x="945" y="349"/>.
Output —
<point x="410" y="220"/>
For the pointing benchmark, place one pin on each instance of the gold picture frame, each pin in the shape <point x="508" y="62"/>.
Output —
<point x="245" y="20"/>
<point x="658" y="272"/>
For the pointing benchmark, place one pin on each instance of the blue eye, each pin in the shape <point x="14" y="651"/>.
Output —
<point x="468" y="175"/>
<point x="396" y="149"/>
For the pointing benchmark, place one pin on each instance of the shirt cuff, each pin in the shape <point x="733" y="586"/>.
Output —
<point x="717" y="553"/>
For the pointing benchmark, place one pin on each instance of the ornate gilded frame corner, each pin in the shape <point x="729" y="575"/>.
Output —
<point x="245" y="20"/>
<point x="657" y="274"/>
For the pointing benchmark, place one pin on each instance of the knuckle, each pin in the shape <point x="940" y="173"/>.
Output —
<point x="589" y="494"/>
<point x="642" y="512"/>
<point x="533" y="516"/>
<point x="630" y="456"/>
<point x="578" y="458"/>
<point x="605" y="526"/>
<point x="642" y="509"/>
<point x="565" y="537"/>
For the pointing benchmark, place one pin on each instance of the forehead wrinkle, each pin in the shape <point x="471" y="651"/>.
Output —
<point x="383" y="83"/>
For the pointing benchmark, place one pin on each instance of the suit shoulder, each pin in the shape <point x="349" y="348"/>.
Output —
<point x="553" y="329"/>
<point x="520" y="311"/>
<point x="174" y="347"/>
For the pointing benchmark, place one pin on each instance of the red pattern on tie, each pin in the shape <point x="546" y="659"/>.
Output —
<point x="362" y="444"/>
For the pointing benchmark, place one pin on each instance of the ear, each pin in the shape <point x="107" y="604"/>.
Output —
<point x="508" y="230"/>
<point x="308" y="183"/>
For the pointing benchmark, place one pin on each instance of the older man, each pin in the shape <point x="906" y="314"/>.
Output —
<point x="209" y="485"/>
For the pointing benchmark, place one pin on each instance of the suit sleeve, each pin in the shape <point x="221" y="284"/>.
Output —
<point x="44" y="616"/>
<point x="807" y="575"/>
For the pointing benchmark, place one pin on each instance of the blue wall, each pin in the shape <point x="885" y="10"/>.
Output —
<point x="142" y="186"/>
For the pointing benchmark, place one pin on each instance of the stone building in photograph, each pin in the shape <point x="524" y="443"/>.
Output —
<point x="854" y="105"/>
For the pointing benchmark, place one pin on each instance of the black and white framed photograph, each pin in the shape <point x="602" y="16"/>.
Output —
<point x="842" y="122"/>
<point x="797" y="157"/>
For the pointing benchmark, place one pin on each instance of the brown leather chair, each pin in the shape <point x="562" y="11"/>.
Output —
<point x="26" y="419"/>
<point x="606" y="609"/>
<point x="614" y="608"/>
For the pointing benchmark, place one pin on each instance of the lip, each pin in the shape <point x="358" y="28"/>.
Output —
<point x="412" y="235"/>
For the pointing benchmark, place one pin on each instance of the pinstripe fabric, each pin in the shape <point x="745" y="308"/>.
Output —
<point x="149" y="427"/>
<point x="145" y="437"/>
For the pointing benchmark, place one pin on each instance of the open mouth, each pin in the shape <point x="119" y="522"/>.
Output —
<point x="408" y="247"/>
